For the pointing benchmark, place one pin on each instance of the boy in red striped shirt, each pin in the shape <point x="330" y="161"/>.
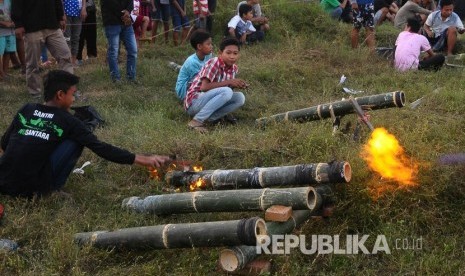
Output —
<point x="210" y="96"/>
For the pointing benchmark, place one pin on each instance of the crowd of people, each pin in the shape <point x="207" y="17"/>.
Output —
<point x="51" y="139"/>
<point x="425" y="26"/>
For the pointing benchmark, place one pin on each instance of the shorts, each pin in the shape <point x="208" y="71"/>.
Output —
<point x="437" y="43"/>
<point x="378" y="16"/>
<point x="162" y="13"/>
<point x="137" y="25"/>
<point x="179" y="21"/>
<point x="7" y="44"/>
<point x="364" y="17"/>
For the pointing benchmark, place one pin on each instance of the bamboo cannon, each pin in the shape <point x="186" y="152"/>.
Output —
<point x="297" y="175"/>
<point x="235" y="258"/>
<point x="188" y="235"/>
<point x="339" y="108"/>
<point x="304" y="198"/>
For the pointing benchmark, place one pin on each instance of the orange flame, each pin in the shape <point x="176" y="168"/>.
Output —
<point x="199" y="184"/>
<point x="197" y="168"/>
<point x="154" y="174"/>
<point x="385" y="155"/>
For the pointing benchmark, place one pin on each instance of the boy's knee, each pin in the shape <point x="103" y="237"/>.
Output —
<point x="240" y="98"/>
<point x="452" y="31"/>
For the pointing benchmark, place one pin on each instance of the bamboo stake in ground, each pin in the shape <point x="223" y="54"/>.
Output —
<point x="188" y="235"/>
<point x="237" y="257"/>
<point x="339" y="108"/>
<point x="304" y="174"/>
<point x="226" y="201"/>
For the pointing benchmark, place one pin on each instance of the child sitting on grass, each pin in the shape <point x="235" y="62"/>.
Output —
<point x="242" y="28"/>
<point x="210" y="97"/>
<point x="201" y="41"/>
<point x="43" y="143"/>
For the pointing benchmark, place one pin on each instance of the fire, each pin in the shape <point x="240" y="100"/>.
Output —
<point x="199" y="184"/>
<point x="197" y="168"/>
<point x="385" y="155"/>
<point x="154" y="174"/>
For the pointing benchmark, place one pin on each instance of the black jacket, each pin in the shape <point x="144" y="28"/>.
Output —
<point x="30" y="140"/>
<point x="111" y="10"/>
<point x="36" y="15"/>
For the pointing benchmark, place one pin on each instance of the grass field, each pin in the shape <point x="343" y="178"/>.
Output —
<point x="299" y="65"/>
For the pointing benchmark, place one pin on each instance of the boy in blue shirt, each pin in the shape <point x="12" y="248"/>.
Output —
<point x="201" y="41"/>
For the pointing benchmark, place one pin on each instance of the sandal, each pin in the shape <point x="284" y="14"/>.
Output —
<point x="197" y="126"/>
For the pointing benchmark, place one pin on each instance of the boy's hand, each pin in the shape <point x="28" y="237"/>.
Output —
<point x="238" y="83"/>
<point x="154" y="161"/>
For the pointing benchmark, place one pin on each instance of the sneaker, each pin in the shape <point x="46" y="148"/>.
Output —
<point x="229" y="118"/>
<point x="134" y="82"/>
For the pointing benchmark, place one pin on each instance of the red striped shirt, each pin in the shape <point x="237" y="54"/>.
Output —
<point x="214" y="70"/>
<point x="203" y="7"/>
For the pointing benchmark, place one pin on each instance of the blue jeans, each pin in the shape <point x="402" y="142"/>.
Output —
<point x="114" y="33"/>
<point x="63" y="160"/>
<point x="215" y="103"/>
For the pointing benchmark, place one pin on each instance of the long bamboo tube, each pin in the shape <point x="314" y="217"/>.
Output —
<point x="226" y="201"/>
<point x="339" y="108"/>
<point x="237" y="257"/>
<point x="188" y="235"/>
<point x="304" y="174"/>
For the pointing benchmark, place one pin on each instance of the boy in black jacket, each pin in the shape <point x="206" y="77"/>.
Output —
<point x="44" y="142"/>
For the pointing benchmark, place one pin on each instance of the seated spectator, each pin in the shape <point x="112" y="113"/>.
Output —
<point x="411" y="9"/>
<point x="242" y="28"/>
<point x="201" y="41"/>
<point x="385" y="10"/>
<point x="210" y="97"/>
<point x="259" y="21"/>
<point x="428" y="4"/>
<point x="409" y="45"/>
<point x="441" y="27"/>
<point x="334" y="7"/>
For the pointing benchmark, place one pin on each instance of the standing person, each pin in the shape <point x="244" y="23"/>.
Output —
<point x="88" y="33"/>
<point x="7" y="37"/>
<point x="201" y="41"/>
<point x="162" y="14"/>
<point x="180" y="20"/>
<point x="41" y="22"/>
<point x="441" y="27"/>
<point x="43" y="143"/>
<point x="211" y="12"/>
<point x="363" y="14"/>
<point x="201" y="12"/>
<point x="76" y="13"/>
<point x="210" y="97"/>
<point x="118" y="26"/>
<point x="410" y="44"/>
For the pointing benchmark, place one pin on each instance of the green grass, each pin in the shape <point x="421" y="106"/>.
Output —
<point x="298" y="66"/>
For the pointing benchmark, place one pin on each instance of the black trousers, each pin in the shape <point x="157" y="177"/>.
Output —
<point x="212" y="9"/>
<point x="88" y="36"/>
<point x="432" y="63"/>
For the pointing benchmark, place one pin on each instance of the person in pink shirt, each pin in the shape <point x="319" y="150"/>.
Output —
<point x="409" y="46"/>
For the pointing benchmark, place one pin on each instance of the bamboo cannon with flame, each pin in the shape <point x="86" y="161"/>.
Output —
<point x="305" y="198"/>
<point x="188" y="235"/>
<point x="304" y="174"/>
<point x="235" y="258"/>
<point x="339" y="108"/>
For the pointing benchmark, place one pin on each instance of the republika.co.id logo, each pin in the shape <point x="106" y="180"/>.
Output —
<point x="327" y="244"/>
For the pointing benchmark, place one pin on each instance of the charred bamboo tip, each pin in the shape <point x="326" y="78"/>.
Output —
<point x="228" y="260"/>
<point x="313" y="200"/>
<point x="399" y="98"/>
<point x="347" y="171"/>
